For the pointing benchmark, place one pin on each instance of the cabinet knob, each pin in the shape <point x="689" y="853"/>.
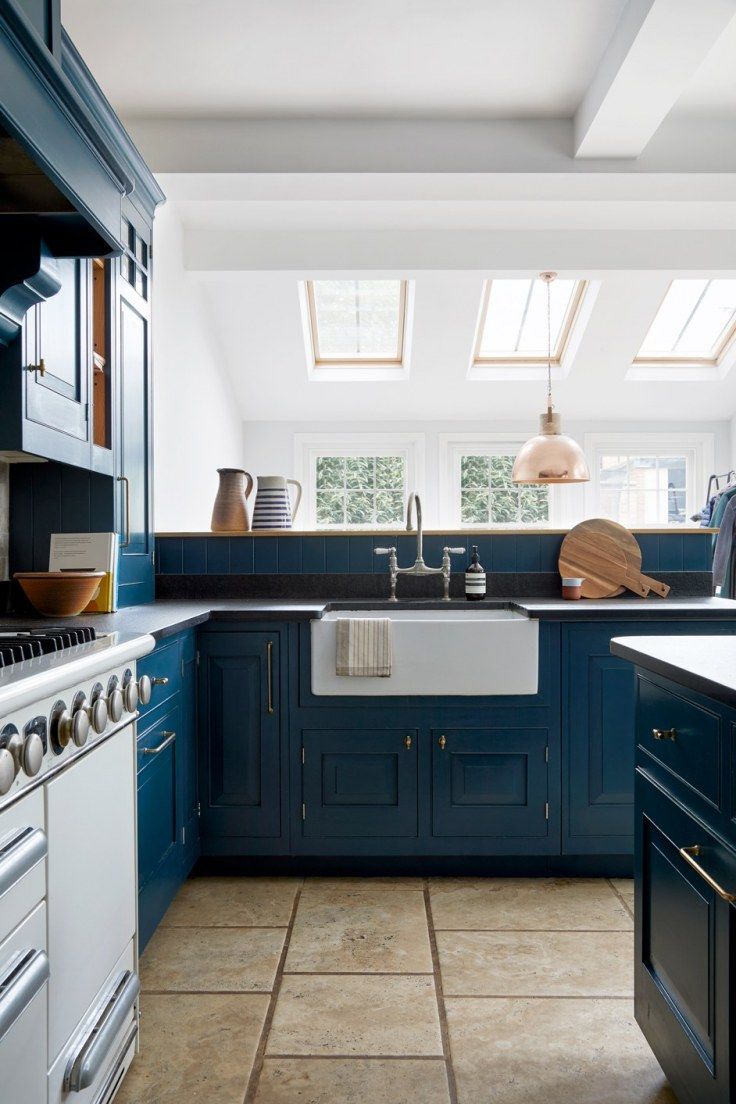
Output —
<point x="442" y="742"/>
<point x="664" y="733"/>
<point x="407" y="742"/>
<point x="40" y="367"/>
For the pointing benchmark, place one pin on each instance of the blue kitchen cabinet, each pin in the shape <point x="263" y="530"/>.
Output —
<point x="241" y="702"/>
<point x="685" y="876"/>
<point x="598" y="707"/>
<point x="492" y="782"/>
<point x="168" y="823"/>
<point x="359" y="785"/>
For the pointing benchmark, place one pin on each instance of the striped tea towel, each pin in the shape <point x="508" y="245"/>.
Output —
<point x="364" y="647"/>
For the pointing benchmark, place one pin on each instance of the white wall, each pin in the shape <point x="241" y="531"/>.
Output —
<point x="197" y="423"/>
<point x="269" y="446"/>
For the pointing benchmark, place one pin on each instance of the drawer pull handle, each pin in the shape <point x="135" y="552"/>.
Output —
<point x="407" y="742"/>
<point x="20" y="855"/>
<point x="28" y="974"/>
<point x="84" y="1069"/>
<point x="689" y="854"/>
<point x="664" y="733"/>
<point x="269" y="656"/>
<point x="170" y="737"/>
<point x="442" y="742"/>
<point x="164" y="681"/>
<point x="126" y="499"/>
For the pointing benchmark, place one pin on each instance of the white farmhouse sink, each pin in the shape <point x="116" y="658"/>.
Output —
<point x="447" y="652"/>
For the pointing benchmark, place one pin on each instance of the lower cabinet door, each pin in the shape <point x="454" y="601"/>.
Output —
<point x="240" y="754"/>
<point x="159" y="857"/>
<point x="683" y="964"/>
<point x="490" y="782"/>
<point x="360" y="783"/>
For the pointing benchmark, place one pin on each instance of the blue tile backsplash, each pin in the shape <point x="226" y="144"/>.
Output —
<point x="340" y="554"/>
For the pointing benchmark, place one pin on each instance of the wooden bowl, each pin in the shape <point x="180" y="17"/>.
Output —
<point x="60" y="593"/>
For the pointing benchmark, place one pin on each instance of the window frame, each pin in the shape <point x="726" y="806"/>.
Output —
<point x="525" y="367"/>
<point x="697" y="448"/>
<point x="722" y="360"/>
<point x="308" y="447"/>
<point x="357" y="369"/>
<point x="452" y="447"/>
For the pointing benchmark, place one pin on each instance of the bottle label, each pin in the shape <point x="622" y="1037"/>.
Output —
<point x="475" y="582"/>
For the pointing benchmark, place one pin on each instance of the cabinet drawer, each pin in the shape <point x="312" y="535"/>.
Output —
<point x="155" y="735"/>
<point x="682" y="737"/>
<point x="162" y="663"/>
<point x="22" y="859"/>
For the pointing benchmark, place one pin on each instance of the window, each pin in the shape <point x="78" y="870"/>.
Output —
<point x="695" y="324"/>
<point x="360" y="481"/>
<point x="647" y="479"/>
<point x="477" y="490"/>
<point x="356" y="329"/>
<point x="512" y="326"/>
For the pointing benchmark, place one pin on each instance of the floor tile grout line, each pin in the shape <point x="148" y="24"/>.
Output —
<point x="359" y="973"/>
<point x="222" y="927"/>
<point x="540" y="996"/>
<point x="439" y="994"/>
<point x="621" y="898"/>
<point x="537" y="931"/>
<point x="255" y="1072"/>
<point x="359" y="1057"/>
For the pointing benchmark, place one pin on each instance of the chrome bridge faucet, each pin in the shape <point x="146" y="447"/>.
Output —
<point x="418" y="567"/>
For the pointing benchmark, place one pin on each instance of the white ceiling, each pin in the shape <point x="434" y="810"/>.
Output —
<point x="265" y="58"/>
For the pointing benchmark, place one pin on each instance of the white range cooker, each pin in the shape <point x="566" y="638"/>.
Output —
<point x="68" y="949"/>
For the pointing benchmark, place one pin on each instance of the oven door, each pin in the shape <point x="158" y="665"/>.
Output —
<point x="24" y="971"/>
<point x="90" y="819"/>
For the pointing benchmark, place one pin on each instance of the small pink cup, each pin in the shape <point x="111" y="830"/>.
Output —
<point x="572" y="588"/>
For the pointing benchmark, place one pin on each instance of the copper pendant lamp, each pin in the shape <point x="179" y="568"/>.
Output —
<point x="551" y="456"/>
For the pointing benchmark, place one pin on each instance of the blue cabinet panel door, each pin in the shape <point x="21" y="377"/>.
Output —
<point x="359" y="783"/>
<point x="159" y="862"/>
<point x="490" y="782"/>
<point x="240" y="757"/>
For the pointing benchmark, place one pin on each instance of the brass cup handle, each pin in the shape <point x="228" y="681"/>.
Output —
<point x="407" y="742"/>
<point x="163" y="681"/>
<point x="126" y="486"/>
<point x="690" y="854"/>
<point x="169" y="739"/>
<point x="664" y="733"/>
<point x="442" y="742"/>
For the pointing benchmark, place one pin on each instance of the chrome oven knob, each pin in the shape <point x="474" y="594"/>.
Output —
<point x="97" y="713"/>
<point x="79" y="727"/>
<point x="144" y="689"/>
<point x="130" y="695"/>
<point x="11" y="745"/>
<point x="82" y="718"/>
<point x="32" y="754"/>
<point x="115" y="704"/>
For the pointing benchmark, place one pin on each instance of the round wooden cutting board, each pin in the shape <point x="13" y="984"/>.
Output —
<point x="608" y="558"/>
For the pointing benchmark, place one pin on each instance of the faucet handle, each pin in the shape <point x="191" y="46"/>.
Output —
<point x="454" y="551"/>
<point x="383" y="551"/>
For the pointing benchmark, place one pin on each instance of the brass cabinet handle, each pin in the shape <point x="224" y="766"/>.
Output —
<point x="407" y="742"/>
<point x="126" y="485"/>
<point x="689" y="854"/>
<point x="170" y="737"/>
<point x="269" y="655"/>
<point x="442" y="742"/>
<point x="664" y="733"/>
<point x="40" y="367"/>
<point x="164" y="681"/>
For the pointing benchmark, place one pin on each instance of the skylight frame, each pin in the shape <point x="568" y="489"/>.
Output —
<point x="720" y="360"/>
<point x="320" y="362"/>
<point x="510" y="360"/>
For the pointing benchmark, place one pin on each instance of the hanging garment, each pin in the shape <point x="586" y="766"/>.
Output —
<point x="724" y="542"/>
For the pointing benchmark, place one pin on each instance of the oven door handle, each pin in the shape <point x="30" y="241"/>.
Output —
<point x="83" y="1070"/>
<point x="19" y="986"/>
<point x="20" y="855"/>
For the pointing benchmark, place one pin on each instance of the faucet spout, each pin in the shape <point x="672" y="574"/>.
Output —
<point x="415" y="504"/>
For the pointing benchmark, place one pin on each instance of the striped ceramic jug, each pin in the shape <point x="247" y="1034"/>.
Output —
<point x="272" y="508"/>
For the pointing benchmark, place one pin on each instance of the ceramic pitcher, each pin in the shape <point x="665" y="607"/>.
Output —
<point x="273" y="509"/>
<point x="230" y="512"/>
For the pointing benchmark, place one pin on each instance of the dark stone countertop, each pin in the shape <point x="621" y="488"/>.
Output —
<point x="706" y="664"/>
<point x="165" y="617"/>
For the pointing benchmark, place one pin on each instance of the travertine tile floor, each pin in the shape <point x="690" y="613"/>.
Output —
<point x="393" y="990"/>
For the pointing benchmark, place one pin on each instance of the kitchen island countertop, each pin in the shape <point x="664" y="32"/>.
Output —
<point x="706" y="664"/>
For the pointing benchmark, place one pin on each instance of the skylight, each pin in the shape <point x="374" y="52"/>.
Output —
<point x="357" y="322"/>
<point x="695" y="324"/>
<point x="513" y="320"/>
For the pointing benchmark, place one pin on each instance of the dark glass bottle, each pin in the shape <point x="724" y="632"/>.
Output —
<point x="475" y="578"/>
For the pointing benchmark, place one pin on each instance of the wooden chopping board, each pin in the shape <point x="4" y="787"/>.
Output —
<point x="608" y="558"/>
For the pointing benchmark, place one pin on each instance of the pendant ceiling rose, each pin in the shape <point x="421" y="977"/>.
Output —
<point x="551" y="456"/>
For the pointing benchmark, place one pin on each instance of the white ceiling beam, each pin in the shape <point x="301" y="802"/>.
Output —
<point x="700" y="251"/>
<point x="655" y="49"/>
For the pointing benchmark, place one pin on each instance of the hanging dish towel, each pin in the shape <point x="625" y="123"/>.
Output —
<point x="364" y="647"/>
